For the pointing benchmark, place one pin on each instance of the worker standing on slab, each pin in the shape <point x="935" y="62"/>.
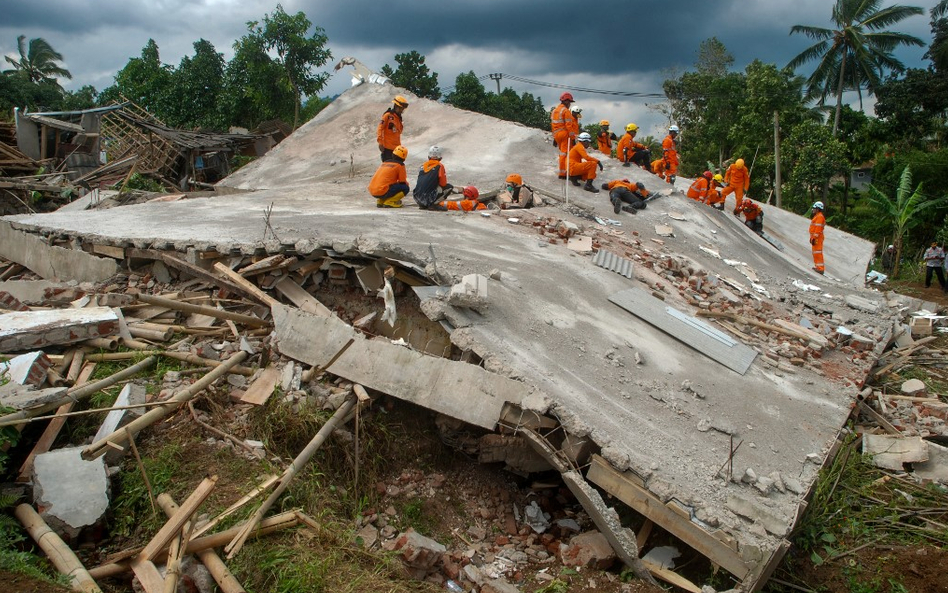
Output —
<point x="670" y="154"/>
<point x="753" y="216"/>
<point x="432" y="185"/>
<point x="699" y="189"/>
<point x="561" y="121"/>
<point x="817" y="226"/>
<point x="390" y="182"/>
<point x="389" y="133"/>
<point x="625" y="195"/>
<point x="715" y="199"/>
<point x="629" y="151"/>
<point x="605" y="138"/>
<point x="583" y="166"/>
<point x="934" y="264"/>
<point x="737" y="178"/>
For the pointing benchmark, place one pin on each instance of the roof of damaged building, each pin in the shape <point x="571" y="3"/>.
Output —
<point x="612" y="358"/>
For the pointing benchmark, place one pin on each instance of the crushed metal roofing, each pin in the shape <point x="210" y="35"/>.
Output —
<point x="611" y="261"/>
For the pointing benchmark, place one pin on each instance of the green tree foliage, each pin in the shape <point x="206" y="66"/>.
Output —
<point x="252" y="90"/>
<point x="938" y="50"/>
<point x="17" y="91"/>
<point x="413" y="74"/>
<point x="468" y="93"/>
<point x="811" y="155"/>
<point x="911" y="108"/>
<point x="84" y="98"/>
<point x="297" y="52"/>
<point x="857" y="52"/>
<point x="144" y="80"/>
<point x="197" y="82"/>
<point x="525" y="109"/>
<point x="38" y="62"/>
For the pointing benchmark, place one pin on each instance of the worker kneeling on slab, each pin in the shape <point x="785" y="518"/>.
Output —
<point x="432" y="185"/>
<point x="581" y="165"/>
<point x="627" y="196"/>
<point x="516" y="194"/>
<point x="390" y="182"/>
<point x="753" y="216"/>
<point x="715" y="199"/>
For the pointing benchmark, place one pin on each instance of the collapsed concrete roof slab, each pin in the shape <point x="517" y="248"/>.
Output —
<point x="52" y="262"/>
<point x="660" y="412"/>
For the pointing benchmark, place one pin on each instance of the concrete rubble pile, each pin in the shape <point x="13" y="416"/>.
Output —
<point x="672" y="359"/>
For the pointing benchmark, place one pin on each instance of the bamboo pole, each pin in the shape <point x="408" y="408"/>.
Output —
<point x="62" y="557"/>
<point x="216" y="540"/>
<point x="234" y="547"/>
<point x="150" y="334"/>
<point x="118" y="437"/>
<point x="210" y="311"/>
<point x="75" y="366"/>
<point x="76" y="394"/>
<point x="182" y="356"/>
<point x="103" y="343"/>
<point x="225" y="579"/>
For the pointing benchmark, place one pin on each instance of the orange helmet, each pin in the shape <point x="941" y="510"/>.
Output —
<point x="566" y="97"/>
<point x="401" y="152"/>
<point x="515" y="179"/>
<point x="471" y="193"/>
<point x="400" y="101"/>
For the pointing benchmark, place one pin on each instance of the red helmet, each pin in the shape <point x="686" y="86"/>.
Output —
<point x="471" y="193"/>
<point x="708" y="175"/>
<point x="747" y="202"/>
<point x="566" y="97"/>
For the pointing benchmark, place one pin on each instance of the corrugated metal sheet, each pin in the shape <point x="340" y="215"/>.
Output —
<point x="611" y="261"/>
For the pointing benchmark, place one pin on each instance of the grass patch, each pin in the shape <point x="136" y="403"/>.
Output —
<point x="14" y="551"/>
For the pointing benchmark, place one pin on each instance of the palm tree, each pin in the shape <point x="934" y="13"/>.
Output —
<point x="857" y="52"/>
<point x="38" y="63"/>
<point x="904" y="212"/>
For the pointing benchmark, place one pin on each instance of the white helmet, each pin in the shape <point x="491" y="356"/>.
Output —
<point x="585" y="137"/>
<point x="434" y="152"/>
<point x="817" y="206"/>
<point x="576" y="109"/>
<point x="673" y="129"/>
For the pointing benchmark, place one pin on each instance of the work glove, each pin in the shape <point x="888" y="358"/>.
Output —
<point x="381" y="148"/>
<point x="812" y="241"/>
<point x="600" y="165"/>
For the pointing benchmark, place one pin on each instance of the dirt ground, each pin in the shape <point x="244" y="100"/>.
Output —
<point x="20" y="583"/>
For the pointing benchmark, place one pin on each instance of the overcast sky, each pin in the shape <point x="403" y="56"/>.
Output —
<point x="624" y="45"/>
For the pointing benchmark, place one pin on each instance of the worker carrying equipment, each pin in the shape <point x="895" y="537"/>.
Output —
<point x="562" y="122"/>
<point x="390" y="182"/>
<point x="605" y="138"/>
<point x="737" y="178"/>
<point x="670" y="154"/>
<point x="389" y="132"/>
<point x="753" y="216"/>
<point x="432" y="185"/>
<point x="583" y="166"/>
<point x="817" y="227"/>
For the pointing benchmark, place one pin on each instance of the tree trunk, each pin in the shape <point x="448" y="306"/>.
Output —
<point x="777" y="176"/>
<point x="845" y="195"/>
<point x="839" y="94"/>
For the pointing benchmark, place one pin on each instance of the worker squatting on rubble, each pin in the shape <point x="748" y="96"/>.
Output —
<point x="670" y="154"/>
<point x="628" y="151"/>
<point x="390" y="182"/>
<point x="515" y="194"/>
<point x="698" y="190"/>
<point x="627" y="196"/>
<point x="715" y="199"/>
<point x="934" y="263"/>
<point x="561" y="122"/>
<point x="753" y="215"/>
<point x="605" y="138"/>
<point x="817" y="226"/>
<point x="737" y="178"/>
<point x="389" y="133"/>
<point x="581" y="165"/>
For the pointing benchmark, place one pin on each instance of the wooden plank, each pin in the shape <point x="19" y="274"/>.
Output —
<point x="642" y="536"/>
<point x="516" y="417"/>
<point x="302" y="299"/>
<point x="276" y="262"/>
<point x="183" y="266"/>
<point x="260" y="390"/>
<point x="175" y="523"/>
<point x="148" y="575"/>
<point x="671" y="577"/>
<point x="109" y="250"/>
<point x="246" y="286"/>
<point x="614" y="482"/>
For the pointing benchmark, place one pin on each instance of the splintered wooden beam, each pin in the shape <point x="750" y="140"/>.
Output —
<point x="248" y="287"/>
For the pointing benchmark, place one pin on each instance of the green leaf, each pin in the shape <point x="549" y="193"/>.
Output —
<point x="828" y="538"/>
<point x="816" y="559"/>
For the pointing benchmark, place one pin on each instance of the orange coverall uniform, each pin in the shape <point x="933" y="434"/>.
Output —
<point x="817" y="225"/>
<point x="753" y="217"/>
<point x="658" y="167"/>
<point x="465" y="205"/>
<point x="562" y="122"/>
<point x="627" y="147"/>
<point x="389" y="132"/>
<point x="714" y="196"/>
<point x="737" y="180"/>
<point x="389" y="179"/>
<point x="671" y="157"/>
<point x="604" y="138"/>
<point x="581" y="164"/>
<point x="699" y="190"/>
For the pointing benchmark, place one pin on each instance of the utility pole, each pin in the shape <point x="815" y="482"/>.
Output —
<point x="496" y="77"/>
<point x="777" y="181"/>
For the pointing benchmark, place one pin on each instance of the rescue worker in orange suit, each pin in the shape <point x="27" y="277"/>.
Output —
<point x="581" y="165"/>
<point x="470" y="201"/>
<point x="516" y="194"/>
<point x="715" y="200"/>
<point x="738" y="180"/>
<point x="432" y="185"/>
<point x="627" y="196"/>
<point x="605" y="138"/>
<point x="817" y="226"/>
<point x="753" y="216"/>
<point x="572" y="126"/>
<point x="699" y="189"/>
<point x="629" y="151"/>
<point x="390" y="182"/>
<point x="561" y="121"/>
<point x="658" y="168"/>
<point x="670" y="154"/>
<point x="389" y="133"/>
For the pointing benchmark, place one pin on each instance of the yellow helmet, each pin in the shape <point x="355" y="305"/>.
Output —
<point x="401" y="152"/>
<point x="718" y="178"/>
<point x="739" y="163"/>
<point x="400" y="101"/>
<point x="631" y="128"/>
<point x="604" y="123"/>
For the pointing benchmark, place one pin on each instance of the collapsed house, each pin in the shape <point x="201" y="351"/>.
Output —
<point x="671" y="359"/>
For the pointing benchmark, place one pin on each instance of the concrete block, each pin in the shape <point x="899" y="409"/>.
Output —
<point x="861" y="304"/>
<point x="130" y="395"/>
<point x="911" y="387"/>
<point x="20" y="397"/>
<point x="590" y="549"/>
<point x="755" y="512"/>
<point x="41" y="292"/>
<point x="25" y="330"/>
<point x="70" y="492"/>
<point x="470" y="292"/>
<point x="419" y="553"/>
<point x="27" y="369"/>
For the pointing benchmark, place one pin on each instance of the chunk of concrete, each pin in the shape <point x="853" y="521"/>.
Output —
<point x="20" y="397"/>
<point x="913" y="387"/>
<point x="470" y="292"/>
<point x="891" y="452"/>
<point x="132" y="394"/>
<point x="419" y="553"/>
<point x="70" y="492"/>
<point x="936" y="468"/>
<point x="50" y="261"/>
<point x="25" y="330"/>
<point x="861" y="304"/>
<point x="27" y="369"/>
<point x="590" y="549"/>
<point x="11" y="303"/>
<point x="752" y="511"/>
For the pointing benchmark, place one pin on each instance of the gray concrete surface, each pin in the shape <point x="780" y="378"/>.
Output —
<point x="70" y="492"/>
<point x="53" y="262"/>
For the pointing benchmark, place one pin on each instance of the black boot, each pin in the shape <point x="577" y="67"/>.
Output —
<point x="590" y="187"/>
<point x="616" y="204"/>
<point x="574" y="179"/>
<point x="629" y="209"/>
<point x="627" y="164"/>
